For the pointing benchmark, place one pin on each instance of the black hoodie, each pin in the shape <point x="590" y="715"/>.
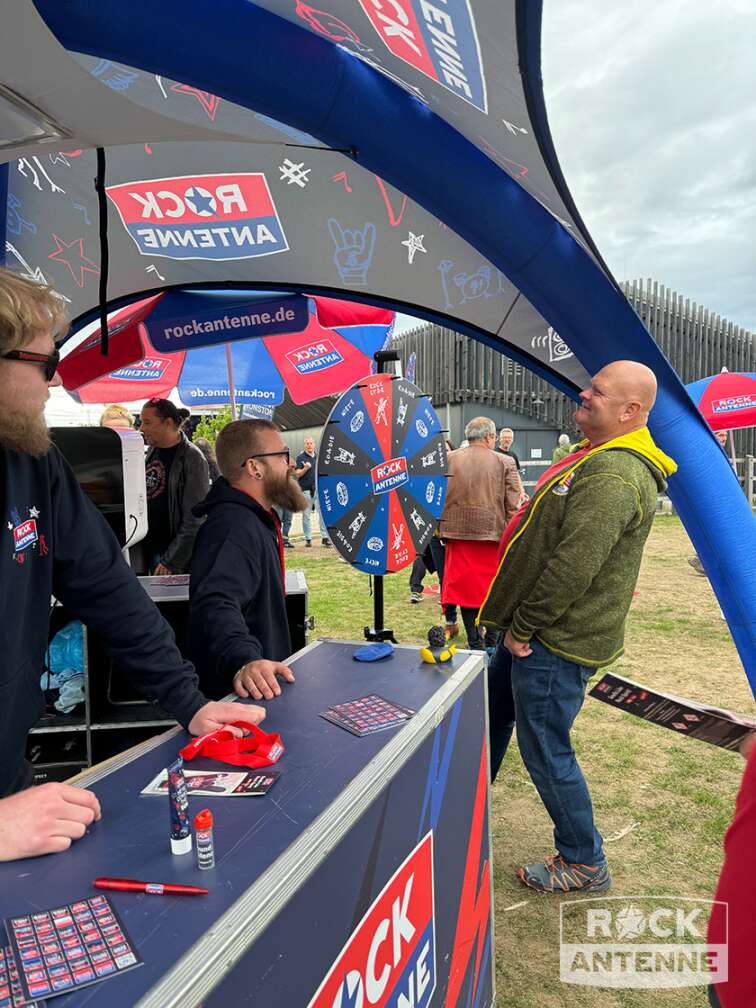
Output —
<point x="54" y="542"/>
<point x="237" y="598"/>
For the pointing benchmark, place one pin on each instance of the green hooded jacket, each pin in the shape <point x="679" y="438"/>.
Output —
<point x="568" y="573"/>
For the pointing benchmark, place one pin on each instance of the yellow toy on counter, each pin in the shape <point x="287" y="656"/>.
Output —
<point x="439" y="649"/>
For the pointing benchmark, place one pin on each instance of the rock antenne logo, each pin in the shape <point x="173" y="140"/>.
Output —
<point x="25" y="534"/>
<point x="730" y="404"/>
<point x="149" y="369"/>
<point x="201" y="216"/>
<point x="314" y="357"/>
<point x="441" y="43"/>
<point x="389" y="475"/>
<point x="390" y="959"/>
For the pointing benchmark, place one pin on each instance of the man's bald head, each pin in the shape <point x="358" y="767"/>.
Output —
<point x="618" y="401"/>
<point x="632" y="381"/>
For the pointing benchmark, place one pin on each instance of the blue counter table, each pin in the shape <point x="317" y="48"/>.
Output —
<point x="363" y="878"/>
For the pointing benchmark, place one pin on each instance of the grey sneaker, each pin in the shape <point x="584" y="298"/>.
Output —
<point x="696" y="564"/>
<point x="415" y="597"/>
<point x="555" y="875"/>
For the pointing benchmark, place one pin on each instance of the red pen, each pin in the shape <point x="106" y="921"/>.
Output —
<point x="152" y="888"/>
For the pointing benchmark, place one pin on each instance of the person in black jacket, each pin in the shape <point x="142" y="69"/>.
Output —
<point x="238" y="633"/>
<point x="54" y="542"/>
<point x="177" y="480"/>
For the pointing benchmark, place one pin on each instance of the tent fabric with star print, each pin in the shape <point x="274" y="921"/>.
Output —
<point x="396" y="153"/>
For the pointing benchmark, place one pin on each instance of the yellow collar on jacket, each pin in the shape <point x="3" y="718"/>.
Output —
<point x="638" y="441"/>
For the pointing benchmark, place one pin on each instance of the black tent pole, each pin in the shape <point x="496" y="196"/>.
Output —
<point x="378" y="632"/>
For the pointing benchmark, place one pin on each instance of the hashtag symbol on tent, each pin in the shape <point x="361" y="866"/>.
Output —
<point x="294" y="174"/>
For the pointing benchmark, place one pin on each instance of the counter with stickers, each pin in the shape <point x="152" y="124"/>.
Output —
<point x="362" y="877"/>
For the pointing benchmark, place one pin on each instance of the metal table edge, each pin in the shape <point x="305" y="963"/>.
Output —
<point x="215" y="954"/>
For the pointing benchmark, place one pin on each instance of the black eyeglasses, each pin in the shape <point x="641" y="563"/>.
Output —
<point x="49" y="362"/>
<point x="286" y="453"/>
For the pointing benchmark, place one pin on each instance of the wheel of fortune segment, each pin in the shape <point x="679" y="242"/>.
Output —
<point x="381" y="479"/>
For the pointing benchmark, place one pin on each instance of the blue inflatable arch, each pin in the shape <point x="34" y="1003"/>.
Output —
<point x="237" y="50"/>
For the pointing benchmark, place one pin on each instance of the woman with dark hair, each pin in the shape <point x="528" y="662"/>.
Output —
<point x="209" y="452"/>
<point x="177" y="480"/>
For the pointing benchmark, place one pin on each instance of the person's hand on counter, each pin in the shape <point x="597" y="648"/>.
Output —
<point x="216" y="714"/>
<point x="257" y="679"/>
<point x="45" y="819"/>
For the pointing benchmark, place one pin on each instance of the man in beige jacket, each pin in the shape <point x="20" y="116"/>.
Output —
<point x="484" y="492"/>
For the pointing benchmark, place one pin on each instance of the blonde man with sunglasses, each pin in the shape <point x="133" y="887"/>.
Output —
<point x="54" y="542"/>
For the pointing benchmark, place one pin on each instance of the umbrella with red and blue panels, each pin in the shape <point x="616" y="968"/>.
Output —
<point x="726" y="400"/>
<point x="261" y="344"/>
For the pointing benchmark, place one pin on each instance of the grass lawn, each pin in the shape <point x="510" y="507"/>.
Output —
<point x="680" y="794"/>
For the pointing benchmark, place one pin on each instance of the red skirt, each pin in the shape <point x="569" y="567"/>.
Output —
<point x="469" y="567"/>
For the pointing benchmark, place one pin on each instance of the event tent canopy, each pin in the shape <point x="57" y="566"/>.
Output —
<point x="393" y="151"/>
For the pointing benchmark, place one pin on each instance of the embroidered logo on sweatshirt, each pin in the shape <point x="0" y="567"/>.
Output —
<point x="563" y="487"/>
<point x="25" y="534"/>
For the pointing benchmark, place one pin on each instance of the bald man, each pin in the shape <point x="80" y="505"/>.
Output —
<point x="570" y="561"/>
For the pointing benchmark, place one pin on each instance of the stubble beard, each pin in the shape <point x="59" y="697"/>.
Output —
<point x="286" y="493"/>
<point x="28" y="434"/>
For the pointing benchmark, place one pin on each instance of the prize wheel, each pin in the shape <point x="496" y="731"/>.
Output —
<point x="381" y="479"/>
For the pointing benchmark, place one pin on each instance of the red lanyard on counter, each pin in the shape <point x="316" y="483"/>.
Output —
<point x="256" y="749"/>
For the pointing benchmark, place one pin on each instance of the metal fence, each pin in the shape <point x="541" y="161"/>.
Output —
<point x="697" y="342"/>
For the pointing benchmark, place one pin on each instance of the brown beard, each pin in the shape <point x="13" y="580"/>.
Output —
<point x="286" y="492"/>
<point x="28" y="434"/>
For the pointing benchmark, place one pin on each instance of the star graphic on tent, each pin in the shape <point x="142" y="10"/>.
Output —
<point x="71" y="254"/>
<point x="33" y="512"/>
<point x="414" y="243"/>
<point x="200" y="201"/>
<point x="209" y="102"/>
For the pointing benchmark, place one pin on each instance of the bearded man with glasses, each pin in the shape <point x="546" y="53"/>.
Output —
<point x="54" y="542"/>
<point x="238" y="629"/>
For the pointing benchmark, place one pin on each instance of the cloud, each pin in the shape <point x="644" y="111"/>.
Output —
<point x="652" y="108"/>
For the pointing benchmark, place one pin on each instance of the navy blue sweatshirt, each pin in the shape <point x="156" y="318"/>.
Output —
<point x="55" y="542"/>
<point x="237" y="598"/>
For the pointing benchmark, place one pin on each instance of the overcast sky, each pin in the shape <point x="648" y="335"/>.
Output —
<point x="652" y="107"/>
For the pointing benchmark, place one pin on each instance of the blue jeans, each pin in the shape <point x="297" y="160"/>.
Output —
<point x="548" y="693"/>
<point x="307" y="517"/>
<point x="501" y="712"/>
<point x="286" y="517"/>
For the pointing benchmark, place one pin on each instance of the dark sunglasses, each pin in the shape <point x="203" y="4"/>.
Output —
<point x="49" y="362"/>
<point x="286" y="453"/>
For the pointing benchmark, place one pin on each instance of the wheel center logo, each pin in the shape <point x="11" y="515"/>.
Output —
<point x="389" y="475"/>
